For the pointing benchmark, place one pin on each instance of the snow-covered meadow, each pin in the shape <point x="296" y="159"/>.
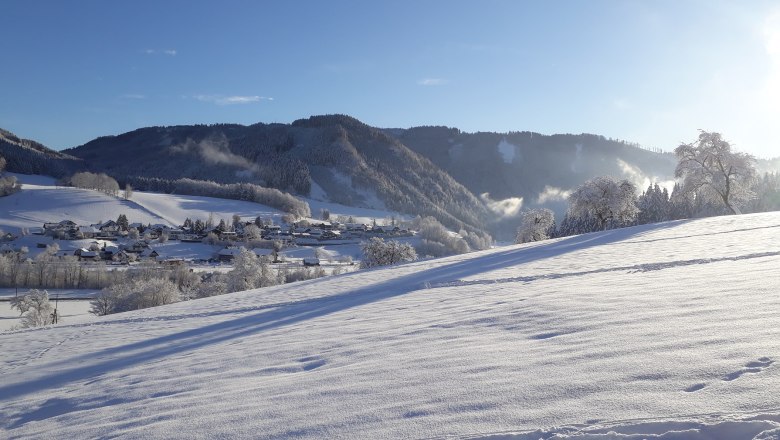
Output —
<point x="667" y="331"/>
<point x="41" y="201"/>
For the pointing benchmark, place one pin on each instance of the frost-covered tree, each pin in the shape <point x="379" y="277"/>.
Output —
<point x="39" y="311"/>
<point x="252" y="232"/>
<point x="250" y="272"/>
<point x="8" y="184"/>
<point x="536" y="225"/>
<point x="654" y="205"/>
<point x="140" y="293"/>
<point x="710" y="167"/>
<point x="128" y="191"/>
<point x="378" y="252"/>
<point x="606" y="199"/>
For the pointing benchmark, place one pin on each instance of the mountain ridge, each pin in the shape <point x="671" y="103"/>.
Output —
<point x="466" y="180"/>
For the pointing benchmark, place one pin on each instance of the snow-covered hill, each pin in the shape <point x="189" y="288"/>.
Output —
<point x="41" y="200"/>
<point x="665" y="331"/>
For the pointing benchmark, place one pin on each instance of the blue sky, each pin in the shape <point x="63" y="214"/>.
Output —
<point x="651" y="72"/>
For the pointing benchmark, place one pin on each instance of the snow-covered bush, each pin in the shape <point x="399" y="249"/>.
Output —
<point x="536" y="225"/>
<point x="8" y="186"/>
<point x="136" y="294"/>
<point x="378" y="252"/>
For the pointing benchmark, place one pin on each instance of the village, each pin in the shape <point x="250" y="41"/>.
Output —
<point x="119" y="242"/>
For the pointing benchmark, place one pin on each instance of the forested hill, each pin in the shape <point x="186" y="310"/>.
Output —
<point x="522" y="164"/>
<point x="30" y="157"/>
<point x="334" y="157"/>
<point x="436" y="171"/>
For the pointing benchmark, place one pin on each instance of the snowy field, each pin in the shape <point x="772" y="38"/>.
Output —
<point x="40" y="201"/>
<point x="667" y="331"/>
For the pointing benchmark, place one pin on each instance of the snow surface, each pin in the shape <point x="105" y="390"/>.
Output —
<point x="665" y="331"/>
<point x="507" y="151"/>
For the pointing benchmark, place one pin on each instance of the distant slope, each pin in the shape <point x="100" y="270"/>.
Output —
<point x="661" y="331"/>
<point x="35" y="205"/>
<point x="30" y="157"/>
<point x="342" y="158"/>
<point x="524" y="164"/>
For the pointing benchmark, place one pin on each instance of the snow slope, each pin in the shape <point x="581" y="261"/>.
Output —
<point x="40" y="201"/>
<point x="35" y="205"/>
<point x="666" y="331"/>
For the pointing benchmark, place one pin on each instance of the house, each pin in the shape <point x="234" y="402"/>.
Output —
<point x="123" y="257"/>
<point x="89" y="231"/>
<point x="109" y="252"/>
<point x="330" y="235"/>
<point x="175" y="234"/>
<point x="228" y="235"/>
<point x="149" y="253"/>
<point x="228" y="254"/>
<point x="136" y="247"/>
<point x="86" y="255"/>
<point x="311" y="261"/>
<point x="109" y="226"/>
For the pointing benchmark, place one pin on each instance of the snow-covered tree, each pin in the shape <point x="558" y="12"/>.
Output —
<point x="606" y="199"/>
<point x="122" y="222"/>
<point x="252" y="232"/>
<point x="39" y="311"/>
<point x="654" y="205"/>
<point x="140" y="293"/>
<point x="708" y="165"/>
<point x="536" y="225"/>
<point x="250" y="272"/>
<point x="378" y="252"/>
<point x="128" y="191"/>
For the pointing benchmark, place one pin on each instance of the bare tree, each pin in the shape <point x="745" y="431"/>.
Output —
<point x="710" y="167"/>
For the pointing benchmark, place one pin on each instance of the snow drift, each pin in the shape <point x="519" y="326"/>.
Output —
<point x="666" y="331"/>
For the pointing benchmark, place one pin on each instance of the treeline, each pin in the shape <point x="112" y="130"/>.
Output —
<point x="51" y="272"/>
<point x="236" y="191"/>
<point x="99" y="182"/>
<point x="656" y="204"/>
<point x="29" y="157"/>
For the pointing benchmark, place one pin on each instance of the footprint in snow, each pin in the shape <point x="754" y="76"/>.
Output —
<point x="752" y="367"/>
<point x="311" y="362"/>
